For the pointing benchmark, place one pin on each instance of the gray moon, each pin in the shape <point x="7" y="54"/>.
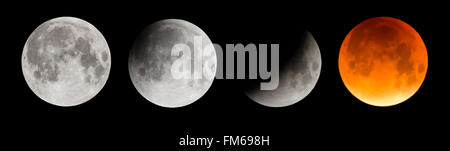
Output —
<point x="150" y="63"/>
<point x="299" y="74"/>
<point x="66" y="61"/>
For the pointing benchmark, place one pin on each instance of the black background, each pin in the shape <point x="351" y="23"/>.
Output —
<point x="328" y="117"/>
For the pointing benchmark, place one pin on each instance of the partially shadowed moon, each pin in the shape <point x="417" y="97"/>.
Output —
<point x="150" y="63"/>
<point x="66" y="61"/>
<point x="299" y="73"/>
<point x="383" y="61"/>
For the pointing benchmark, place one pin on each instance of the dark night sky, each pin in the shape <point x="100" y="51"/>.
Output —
<point x="120" y="116"/>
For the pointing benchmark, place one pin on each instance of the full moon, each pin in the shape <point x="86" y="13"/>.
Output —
<point x="299" y="73"/>
<point x="383" y="61"/>
<point x="66" y="61"/>
<point x="151" y="63"/>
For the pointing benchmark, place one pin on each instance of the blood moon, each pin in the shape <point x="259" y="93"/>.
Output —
<point x="383" y="61"/>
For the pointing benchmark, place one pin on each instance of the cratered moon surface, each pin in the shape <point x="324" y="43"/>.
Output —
<point x="383" y="61"/>
<point x="299" y="72"/>
<point x="66" y="61"/>
<point x="150" y="63"/>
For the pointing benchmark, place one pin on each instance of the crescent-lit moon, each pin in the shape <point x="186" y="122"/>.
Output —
<point x="383" y="61"/>
<point x="299" y="73"/>
<point x="150" y="62"/>
<point x="66" y="61"/>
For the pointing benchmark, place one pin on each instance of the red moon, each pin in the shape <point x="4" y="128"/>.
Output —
<point x="383" y="61"/>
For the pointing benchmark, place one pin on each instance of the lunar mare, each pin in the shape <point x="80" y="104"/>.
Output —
<point x="383" y="61"/>
<point x="150" y="62"/>
<point x="66" y="61"/>
<point x="299" y="74"/>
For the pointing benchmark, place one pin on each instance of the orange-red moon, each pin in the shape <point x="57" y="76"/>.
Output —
<point x="383" y="61"/>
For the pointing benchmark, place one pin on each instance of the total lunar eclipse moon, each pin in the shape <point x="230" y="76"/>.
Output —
<point x="383" y="61"/>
